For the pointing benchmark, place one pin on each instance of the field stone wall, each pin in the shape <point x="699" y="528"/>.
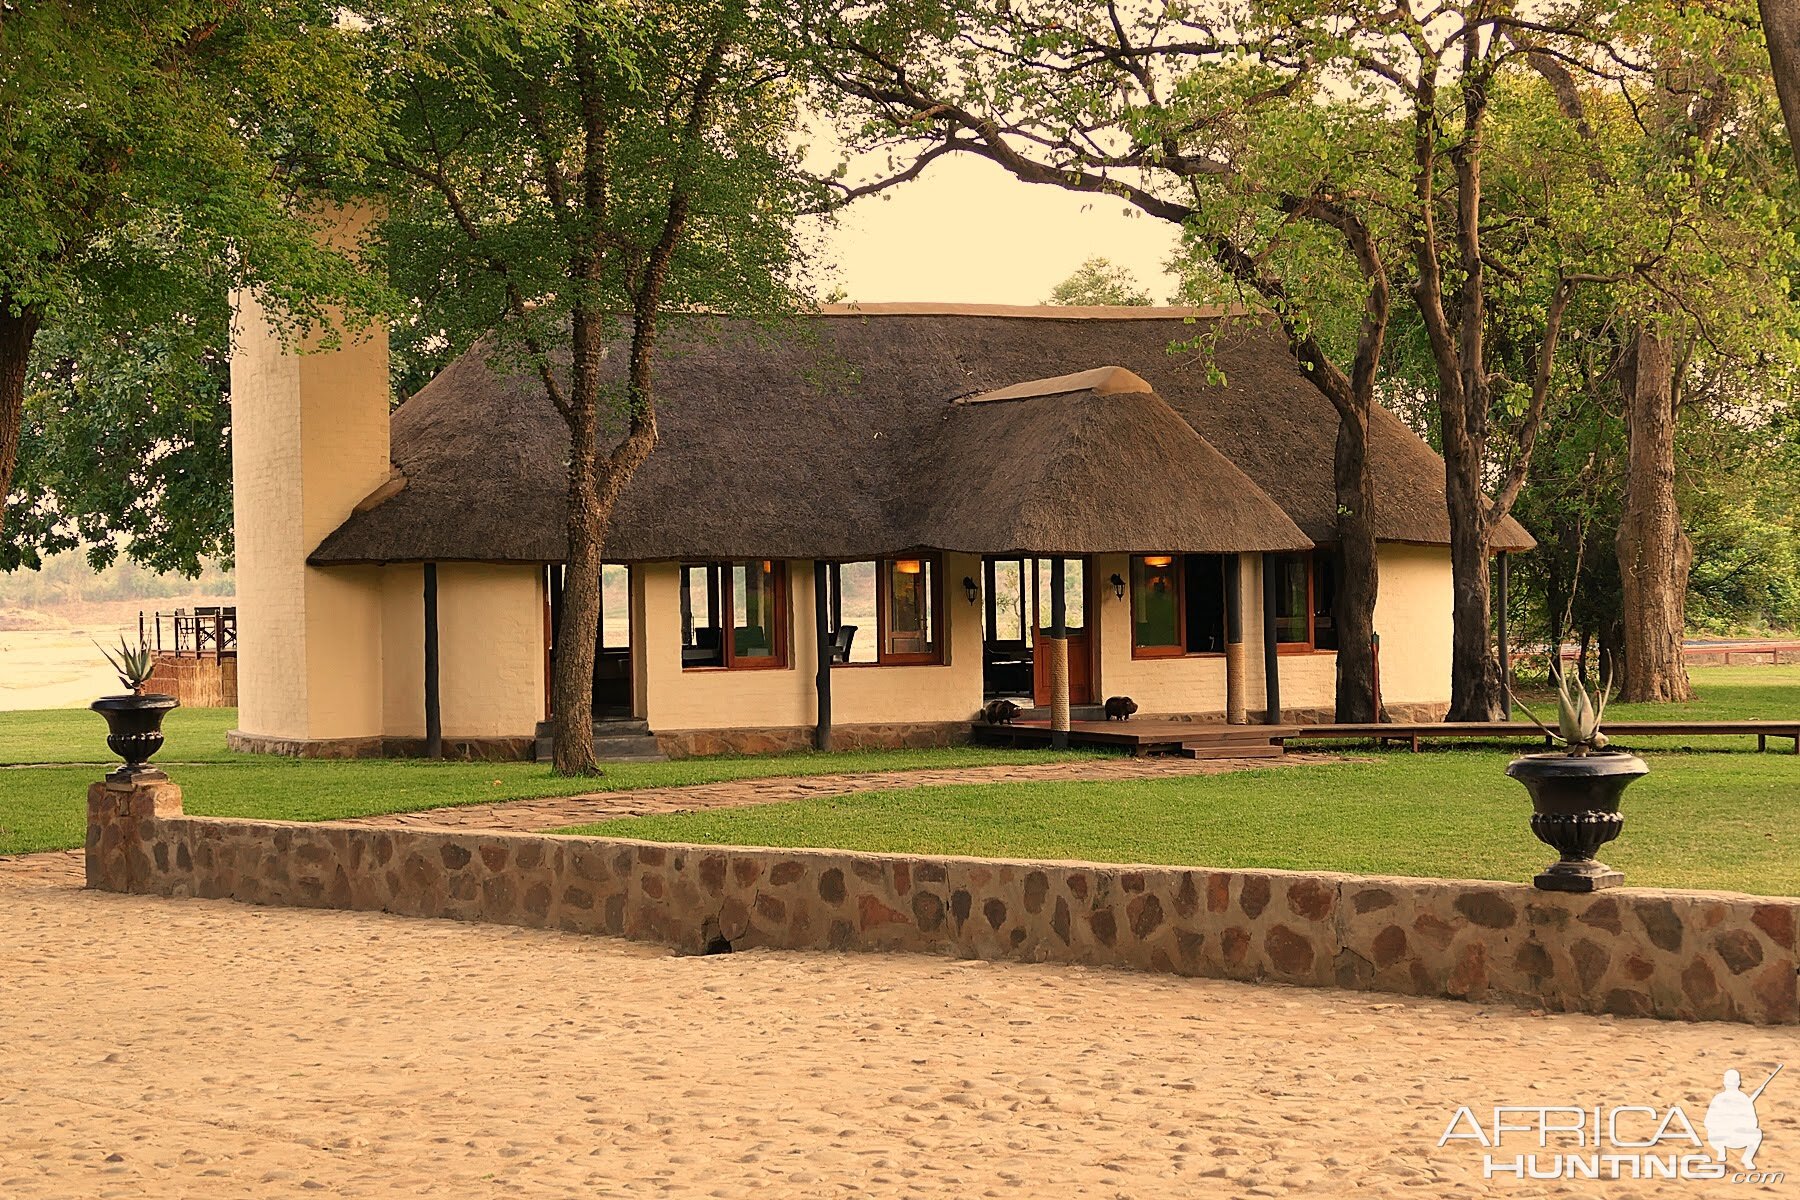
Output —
<point x="1629" y="951"/>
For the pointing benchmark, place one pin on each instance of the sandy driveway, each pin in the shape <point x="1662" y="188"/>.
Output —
<point x="201" y="1048"/>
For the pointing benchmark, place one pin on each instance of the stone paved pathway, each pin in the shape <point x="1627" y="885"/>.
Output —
<point x="560" y="812"/>
<point x="199" y="1048"/>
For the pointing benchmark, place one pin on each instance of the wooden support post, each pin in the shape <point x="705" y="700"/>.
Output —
<point x="1059" y="659"/>
<point x="1271" y="656"/>
<point x="1505" y="645"/>
<point x="822" y="610"/>
<point x="434" y="717"/>
<point x="1236" y="708"/>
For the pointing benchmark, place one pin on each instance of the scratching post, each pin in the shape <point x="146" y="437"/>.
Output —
<point x="1236" y="712"/>
<point x="1058" y="646"/>
<point x="1058" y="650"/>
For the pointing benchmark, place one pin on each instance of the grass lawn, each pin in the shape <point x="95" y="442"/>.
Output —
<point x="1707" y="816"/>
<point x="1712" y="817"/>
<point x="1705" y="820"/>
<point x="43" y="807"/>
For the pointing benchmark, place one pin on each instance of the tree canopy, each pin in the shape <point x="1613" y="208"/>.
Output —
<point x="1100" y="281"/>
<point x="148" y="160"/>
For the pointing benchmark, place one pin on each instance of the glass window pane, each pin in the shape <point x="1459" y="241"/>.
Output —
<point x="1155" y="601"/>
<point x="1074" y="595"/>
<point x="701" y="644"/>
<point x="909" y="615"/>
<point x="615" y="607"/>
<point x="1324" y="602"/>
<point x="1203" y="591"/>
<point x="1009" y="601"/>
<point x="755" y="609"/>
<point x="854" y="610"/>
<point x="1292" y="604"/>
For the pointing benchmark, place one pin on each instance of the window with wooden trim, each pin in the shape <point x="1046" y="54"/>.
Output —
<point x="734" y="614"/>
<point x="885" y="612"/>
<point x="1305" y="600"/>
<point x="1177" y="604"/>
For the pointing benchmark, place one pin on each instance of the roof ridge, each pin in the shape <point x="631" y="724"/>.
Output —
<point x="1051" y="312"/>
<point x="1102" y="381"/>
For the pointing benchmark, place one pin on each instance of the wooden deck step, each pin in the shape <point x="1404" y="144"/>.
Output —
<point x="1211" y="750"/>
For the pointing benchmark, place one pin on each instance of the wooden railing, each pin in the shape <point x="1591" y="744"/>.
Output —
<point x="205" y="632"/>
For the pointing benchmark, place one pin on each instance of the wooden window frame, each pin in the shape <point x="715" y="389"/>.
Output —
<point x="1180" y="648"/>
<point x="1178" y="568"/>
<point x="784" y="609"/>
<point x="935" y="657"/>
<point x="1306" y="647"/>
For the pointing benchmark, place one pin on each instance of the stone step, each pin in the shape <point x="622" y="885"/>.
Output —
<point x="621" y="740"/>
<point x="607" y="727"/>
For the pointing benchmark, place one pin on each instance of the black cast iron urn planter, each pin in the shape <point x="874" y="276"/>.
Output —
<point x="1575" y="811"/>
<point x="134" y="731"/>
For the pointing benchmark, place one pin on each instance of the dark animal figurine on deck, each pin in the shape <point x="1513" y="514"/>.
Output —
<point x="1120" y="708"/>
<point x="1000" y="712"/>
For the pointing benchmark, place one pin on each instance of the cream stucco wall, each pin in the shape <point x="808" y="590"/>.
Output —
<point x="309" y="440"/>
<point x="1413" y="617"/>
<point x="671" y="698"/>
<point x="490" y="649"/>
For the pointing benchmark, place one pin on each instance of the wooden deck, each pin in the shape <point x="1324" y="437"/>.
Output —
<point x="1199" y="739"/>
<point x="1415" y="733"/>
<point x="1191" y="739"/>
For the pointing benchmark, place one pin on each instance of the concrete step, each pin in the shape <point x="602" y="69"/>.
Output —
<point x="621" y="740"/>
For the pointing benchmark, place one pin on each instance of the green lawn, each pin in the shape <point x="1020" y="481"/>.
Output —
<point x="1713" y="817"/>
<point x="42" y="807"/>
<point x="1709" y="815"/>
<point x="1706" y="820"/>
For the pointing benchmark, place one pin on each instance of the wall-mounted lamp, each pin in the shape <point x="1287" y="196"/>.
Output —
<point x="1118" y="583"/>
<point x="1158" y="560"/>
<point x="908" y="566"/>
<point x="971" y="590"/>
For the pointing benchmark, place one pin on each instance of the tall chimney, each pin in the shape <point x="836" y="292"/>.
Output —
<point x="309" y="441"/>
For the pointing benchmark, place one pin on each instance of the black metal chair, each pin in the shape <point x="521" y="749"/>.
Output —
<point x="842" y="638"/>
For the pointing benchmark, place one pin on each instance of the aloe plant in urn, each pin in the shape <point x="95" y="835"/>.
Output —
<point x="133" y="721"/>
<point x="1575" y="794"/>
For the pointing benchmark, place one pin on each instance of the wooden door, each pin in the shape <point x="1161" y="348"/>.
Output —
<point x="1079" y="592"/>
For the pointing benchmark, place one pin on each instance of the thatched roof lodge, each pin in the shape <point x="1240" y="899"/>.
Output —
<point x="886" y="486"/>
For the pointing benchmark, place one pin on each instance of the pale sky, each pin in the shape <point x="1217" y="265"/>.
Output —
<point x="967" y="232"/>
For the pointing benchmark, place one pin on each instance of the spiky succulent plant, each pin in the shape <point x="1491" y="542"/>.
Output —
<point x="1578" y="715"/>
<point x="132" y="664"/>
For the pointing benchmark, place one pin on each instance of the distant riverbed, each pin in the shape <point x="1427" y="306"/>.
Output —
<point x="48" y="656"/>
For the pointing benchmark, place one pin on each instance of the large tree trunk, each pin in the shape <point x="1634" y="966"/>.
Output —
<point x="1357" y="576"/>
<point x="1781" y="29"/>
<point x="17" y="332"/>
<point x="1654" y="552"/>
<point x="572" y="688"/>
<point x="1474" y="670"/>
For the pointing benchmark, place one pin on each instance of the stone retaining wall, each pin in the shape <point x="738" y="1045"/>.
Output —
<point x="522" y="748"/>
<point x="1631" y="951"/>
<point x="785" y="739"/>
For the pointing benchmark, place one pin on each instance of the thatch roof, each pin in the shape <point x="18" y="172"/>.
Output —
<point x="832" y="437"/>
<point x="1091" y="463"/>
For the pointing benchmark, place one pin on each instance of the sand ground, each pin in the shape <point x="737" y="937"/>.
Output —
<point x="161" y="1048"/>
